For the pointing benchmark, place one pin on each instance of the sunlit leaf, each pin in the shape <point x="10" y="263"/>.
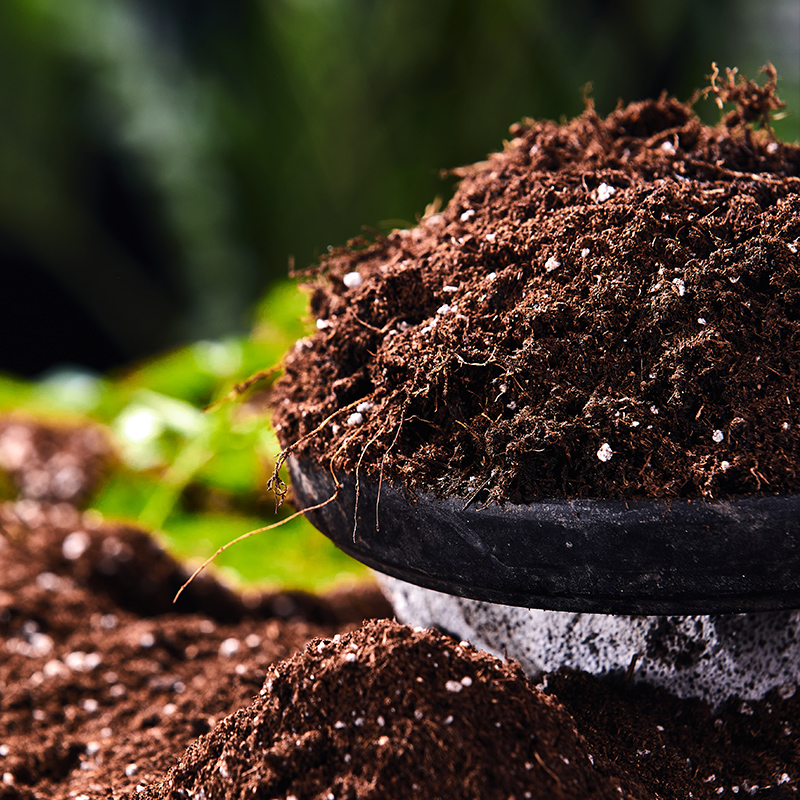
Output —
<point x="293" y="556"/>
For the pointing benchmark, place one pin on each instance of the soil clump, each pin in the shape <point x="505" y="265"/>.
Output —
<point x="608" y="308"/>
<point x="103" y="681"/>
<point x="107" y="690"/>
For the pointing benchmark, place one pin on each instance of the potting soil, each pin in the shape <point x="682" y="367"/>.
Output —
<point x="107" y="690"/>
<point x="606" y="308"/>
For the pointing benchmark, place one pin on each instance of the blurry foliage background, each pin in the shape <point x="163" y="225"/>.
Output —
<point x="196" y="479"/>
<point x="162" y="160"/>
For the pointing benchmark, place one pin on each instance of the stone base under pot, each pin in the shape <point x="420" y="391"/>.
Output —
<point x="708" y="656"/>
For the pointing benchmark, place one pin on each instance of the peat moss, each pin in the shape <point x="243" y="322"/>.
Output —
<point x="606" y="308"/>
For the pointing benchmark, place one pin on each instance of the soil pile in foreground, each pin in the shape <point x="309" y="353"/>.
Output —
<point x="607" y="308"/>
<point x="388" y="711"/>
<point x="107" y="690"/>
<point x="103" y="681"/>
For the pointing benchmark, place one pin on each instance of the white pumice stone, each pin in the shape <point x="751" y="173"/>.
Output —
<point x="604" y="192"/>
<point x="710" y="657"/>
<point x="352" y="279"/>
<point x="605" y="453"/>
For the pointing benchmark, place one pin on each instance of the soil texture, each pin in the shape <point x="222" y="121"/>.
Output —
<point x="103" y="681"/>
<point x="607" y="308"/>
<point x="107" y="690"/>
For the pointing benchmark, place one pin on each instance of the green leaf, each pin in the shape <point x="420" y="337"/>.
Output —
<point x="294" y="556"/>
<point x="125" y="494"/>
<point x="14" y="393"/>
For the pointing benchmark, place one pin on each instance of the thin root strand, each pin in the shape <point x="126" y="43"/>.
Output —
<point x="247" y="535"/>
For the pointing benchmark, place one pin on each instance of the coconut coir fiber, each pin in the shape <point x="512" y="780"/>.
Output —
<point x="108" y="690"/>
<point x="607" y="308"/>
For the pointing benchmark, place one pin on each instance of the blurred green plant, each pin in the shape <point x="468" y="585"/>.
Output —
<point x="196" y="478"/>
<point x="164" y="160"/>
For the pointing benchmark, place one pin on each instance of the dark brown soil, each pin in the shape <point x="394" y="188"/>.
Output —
<point x="103" y="681"/>
<point x="607" y="308"/>
<point x="107" y="690"/>
<point x="393" y="712"/>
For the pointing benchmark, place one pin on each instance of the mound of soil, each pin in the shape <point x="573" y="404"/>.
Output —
<point x="607" y="308"/>
<point x="103" y="681"/>
<point x="388" y="711"/>
<point x="107" y="690"/>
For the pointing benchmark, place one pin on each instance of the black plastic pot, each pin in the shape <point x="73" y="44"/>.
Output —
<point x="604" y="556"/>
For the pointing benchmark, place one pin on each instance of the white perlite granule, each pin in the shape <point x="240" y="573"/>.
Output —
<point x="605" y="452"/>
<point x="604" y="192"/>
<point x="351" y="280"/>
<point x="552" y="263"/>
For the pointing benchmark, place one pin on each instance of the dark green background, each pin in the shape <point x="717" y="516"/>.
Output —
<point x="161" y="161"/>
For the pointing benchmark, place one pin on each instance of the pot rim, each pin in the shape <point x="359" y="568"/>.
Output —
<point x="648" y="556"/>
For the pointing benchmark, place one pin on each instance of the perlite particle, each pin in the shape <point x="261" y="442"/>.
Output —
<point x="604" y="192"/>
<point x="605" y="452"/>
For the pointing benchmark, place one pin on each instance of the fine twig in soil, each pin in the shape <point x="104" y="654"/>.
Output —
<point x="631" y="667"/>
<point x="733" y="174"/>
<point x="358" y="480"/>
<point x="384" y="330"/>
<point x="253" y="533"/>
<point x="547" y="769"/>
<point x="240" y="388"/>
<point x="754" y="103"/>
<point x="383" y="461"/>
<point x="275" y="483"/>
<point x="477" y="491"/>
